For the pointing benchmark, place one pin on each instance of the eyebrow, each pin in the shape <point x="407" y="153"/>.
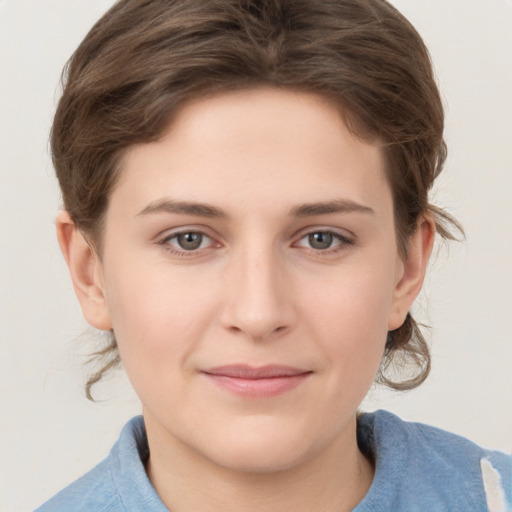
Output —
<point x="337" y="206"/>
<point x="184" y="208"/>
<point x="209" y="211"/>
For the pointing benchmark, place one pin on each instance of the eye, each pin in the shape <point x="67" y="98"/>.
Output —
<point x="187" y="242"/>
<point x="324" y="241"/>
<point x="321" y="240"/>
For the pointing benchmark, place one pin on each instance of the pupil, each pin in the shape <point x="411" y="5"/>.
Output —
<point x="320" y="240"/>
<point x="190" y="241"/>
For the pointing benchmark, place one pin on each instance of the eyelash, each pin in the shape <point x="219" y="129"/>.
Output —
<point x="342" y="240"/>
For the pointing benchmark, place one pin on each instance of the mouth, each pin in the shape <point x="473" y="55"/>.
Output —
<point x="257" y="382"/>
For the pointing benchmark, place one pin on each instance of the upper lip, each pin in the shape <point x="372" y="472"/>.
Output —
<point x="240" y="371"/>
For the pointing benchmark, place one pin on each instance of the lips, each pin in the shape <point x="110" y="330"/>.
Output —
<point x="257" y="382"/>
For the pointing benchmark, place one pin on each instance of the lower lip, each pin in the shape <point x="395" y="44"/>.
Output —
<point x="258" y="388"/>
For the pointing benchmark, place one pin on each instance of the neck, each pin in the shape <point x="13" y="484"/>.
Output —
<point x="334" y="480"/>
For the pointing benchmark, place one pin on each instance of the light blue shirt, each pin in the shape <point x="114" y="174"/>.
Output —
<point x="418" y="468"/>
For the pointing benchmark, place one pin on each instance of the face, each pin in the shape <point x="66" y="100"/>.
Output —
<point x="250" y="273"/>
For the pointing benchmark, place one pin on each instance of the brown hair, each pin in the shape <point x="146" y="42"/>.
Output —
<point x="144" y="58"/>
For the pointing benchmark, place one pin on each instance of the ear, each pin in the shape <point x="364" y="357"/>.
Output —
<point x="412" y="271"/>
<point x="86" y="272"/>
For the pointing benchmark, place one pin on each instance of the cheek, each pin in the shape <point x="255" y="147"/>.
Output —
<point x="355" y="301"/>
<point x="350" y="317"/>
<point x="157" y="313"/>
<point x="159" y="323"/>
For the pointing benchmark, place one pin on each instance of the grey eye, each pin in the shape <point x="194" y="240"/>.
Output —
<point x="320" y="240"/>
<point x="189" y="241"/>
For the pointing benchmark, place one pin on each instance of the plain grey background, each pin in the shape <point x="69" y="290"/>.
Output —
<point x="50" y="434"/>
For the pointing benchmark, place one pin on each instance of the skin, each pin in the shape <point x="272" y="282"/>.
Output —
<point x="258" y="290"/>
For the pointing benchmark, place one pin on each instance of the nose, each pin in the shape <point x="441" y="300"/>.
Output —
<point x="259" y="297"/>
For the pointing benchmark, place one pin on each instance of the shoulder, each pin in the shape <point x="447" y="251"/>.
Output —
<point x="430" y="464"/>
<point x="93" y="491"/>
<point x="118" y="484"/>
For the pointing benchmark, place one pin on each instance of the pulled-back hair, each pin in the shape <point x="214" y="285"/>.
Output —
<point x="144" y="58"/>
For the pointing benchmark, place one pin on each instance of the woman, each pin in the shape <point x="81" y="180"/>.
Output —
<point x="246" y="210"/>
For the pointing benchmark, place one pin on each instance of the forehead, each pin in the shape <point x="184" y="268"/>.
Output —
<point x="249" y="146"/>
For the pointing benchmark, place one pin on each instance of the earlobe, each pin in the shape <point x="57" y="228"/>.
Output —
<point x="412" y="273"/>
<point x="85" y="270"/>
